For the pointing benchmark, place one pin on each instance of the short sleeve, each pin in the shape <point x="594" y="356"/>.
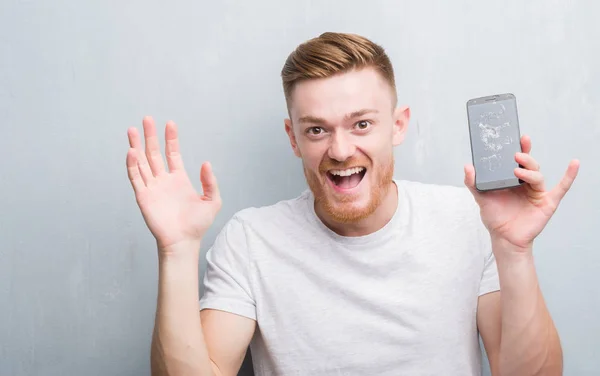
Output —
<point x="490" y="281"/>
<point x="226" y="280"/>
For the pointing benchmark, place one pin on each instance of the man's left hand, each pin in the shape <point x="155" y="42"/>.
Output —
<point x="517" y="215"/>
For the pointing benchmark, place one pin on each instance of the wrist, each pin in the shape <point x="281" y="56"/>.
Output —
<point x="502" y="242"/>
<point x="179" y="263"/>
<point x="505" y="251"/>
<point x="185" y="250"/>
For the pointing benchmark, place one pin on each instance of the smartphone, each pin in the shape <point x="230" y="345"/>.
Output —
<point x="495" y="138"/>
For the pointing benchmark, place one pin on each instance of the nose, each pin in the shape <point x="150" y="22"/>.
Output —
<point x="341" y="147"/>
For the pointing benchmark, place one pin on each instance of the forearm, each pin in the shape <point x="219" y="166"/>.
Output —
<point x="178" y="346"/>
<point x="529" y="341"/>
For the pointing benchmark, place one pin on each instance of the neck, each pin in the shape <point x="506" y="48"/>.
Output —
<point x="374" y="222"/>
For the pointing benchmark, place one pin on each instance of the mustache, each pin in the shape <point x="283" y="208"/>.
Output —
<point x="331" y="164"/>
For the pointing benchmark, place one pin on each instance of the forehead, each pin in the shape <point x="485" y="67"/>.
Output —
<point x="333" y="97"/>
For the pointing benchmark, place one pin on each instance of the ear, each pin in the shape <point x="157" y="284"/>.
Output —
<point x="289" y="129"/>
<point x="401" y="119"/>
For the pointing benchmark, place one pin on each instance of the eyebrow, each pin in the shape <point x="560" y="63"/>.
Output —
<point x="320" y="121"/>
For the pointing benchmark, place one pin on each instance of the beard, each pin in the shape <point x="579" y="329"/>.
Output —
<point x="340" y="207"/>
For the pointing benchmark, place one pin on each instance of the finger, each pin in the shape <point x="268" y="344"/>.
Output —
<point x="526" y="144"/>
<point x="152" y="147"/>
<point x="133" y="171"/>
<point x="134" y="138"/>
<point x="534" y="178"/>
<point x="209" y="183"/>
<point x="527" y="161"/>
<point x="470" y="179"/>
<point x="567" y="180"/>
<point x="174" y="160"/>
<point x="136" y="143"/>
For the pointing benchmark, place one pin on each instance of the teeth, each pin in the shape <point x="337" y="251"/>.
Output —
<point x="347" y="172"/>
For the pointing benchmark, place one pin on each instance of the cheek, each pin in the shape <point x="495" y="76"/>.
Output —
<point x="377" y="148"/>
<point x="312" y="154"/>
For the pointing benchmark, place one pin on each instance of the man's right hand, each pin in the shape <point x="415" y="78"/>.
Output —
<point x="172" y="209"/>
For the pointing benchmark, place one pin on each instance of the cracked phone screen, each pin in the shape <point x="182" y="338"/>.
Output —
<point x="495" y="139"/>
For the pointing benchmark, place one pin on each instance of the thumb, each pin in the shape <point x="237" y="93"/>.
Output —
<point x="209" y="183"/>
<point x="470" y="179"/>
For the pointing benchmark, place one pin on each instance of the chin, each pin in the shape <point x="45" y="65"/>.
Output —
<point x="349" y="193"/>
<point x="348" y="208"/>
<point x="348" y="212"/>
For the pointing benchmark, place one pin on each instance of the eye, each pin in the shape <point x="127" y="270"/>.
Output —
<point x="363" y="125"/>
<point x="315" y="131"/>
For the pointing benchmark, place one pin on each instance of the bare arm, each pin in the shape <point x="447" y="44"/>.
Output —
<point x="227" y="336"/>
<point x="178" y="217"/>
<point x="184" y="342"/>
<point x="515" y="325"/>
<point x="178" y="345"/>
<point x="489" y="323"/>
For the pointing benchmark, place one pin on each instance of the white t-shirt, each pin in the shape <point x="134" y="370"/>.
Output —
<point x="400" y="301"/>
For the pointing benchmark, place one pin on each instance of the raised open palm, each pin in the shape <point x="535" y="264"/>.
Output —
<point x="172" y="209"/>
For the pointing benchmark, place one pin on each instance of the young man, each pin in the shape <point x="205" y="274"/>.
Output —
<point x="362" y="274"/>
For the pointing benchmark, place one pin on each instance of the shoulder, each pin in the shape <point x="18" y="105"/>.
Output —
<point x="440" y="200"/>
<point x="277" y="214"/>
<point x="449" y="210"/>
<point x="262" y="222"/>
<point x="449" y="195"/>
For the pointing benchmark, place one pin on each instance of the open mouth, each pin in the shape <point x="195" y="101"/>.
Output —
<point x="348" y="178"/>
